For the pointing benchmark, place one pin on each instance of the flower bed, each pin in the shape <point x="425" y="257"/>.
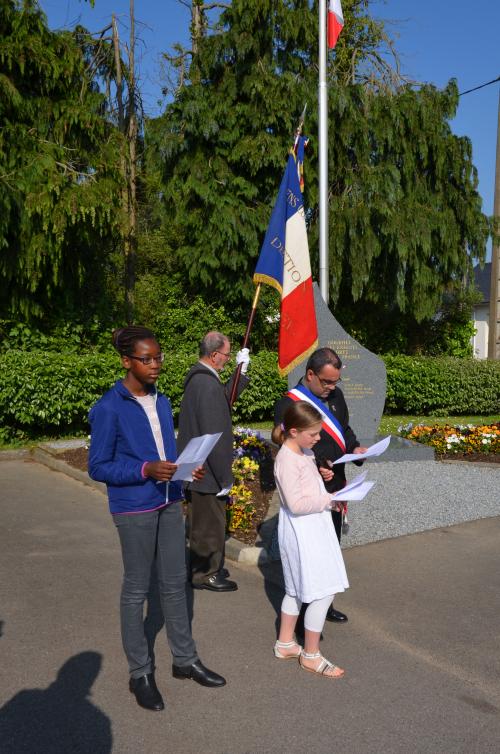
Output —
<point x="250" y="495"/>
<point x="468" y="441"/>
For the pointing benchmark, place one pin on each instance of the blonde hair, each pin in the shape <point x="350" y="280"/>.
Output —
<point x="300" y="416"/>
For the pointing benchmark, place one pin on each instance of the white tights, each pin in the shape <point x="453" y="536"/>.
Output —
<point x="314" y="618"/>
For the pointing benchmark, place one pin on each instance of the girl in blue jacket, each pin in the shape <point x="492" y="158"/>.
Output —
<point x="132" y="450"/>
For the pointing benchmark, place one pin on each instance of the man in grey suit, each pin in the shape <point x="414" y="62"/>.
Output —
<point x="204" y="410"/>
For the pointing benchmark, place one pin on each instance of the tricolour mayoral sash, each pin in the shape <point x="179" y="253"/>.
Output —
<point x="330" y="423"/>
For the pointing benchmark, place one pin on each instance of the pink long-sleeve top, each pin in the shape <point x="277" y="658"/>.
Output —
<point x="299" y="482"/>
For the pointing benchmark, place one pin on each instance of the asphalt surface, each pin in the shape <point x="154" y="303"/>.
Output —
<point x="421" y="649"/>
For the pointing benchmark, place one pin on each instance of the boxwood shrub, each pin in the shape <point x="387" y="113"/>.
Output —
<point x="49" y="393"/>
<point x="445" y="385"/>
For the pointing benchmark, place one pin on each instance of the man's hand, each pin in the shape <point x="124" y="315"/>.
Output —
<point x="327" y="474"/>
<point x="243" y="358"/>
<point x="359" y="450"/>
<point x="162" y="471"/>
<point x="198" y="473"/>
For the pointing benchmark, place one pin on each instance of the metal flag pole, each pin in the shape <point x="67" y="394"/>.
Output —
<point x="494" y="332"/>
<point x="323" y="154"/>
<point x="246" y="339"/>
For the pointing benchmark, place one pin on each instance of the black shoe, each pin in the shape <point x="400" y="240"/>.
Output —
<point x="199" y="673"/>
<point x="224" y="573"/>
<point x="335" y="616"/>
<point x="146" y="692"/>
<point x="217" y="583"/>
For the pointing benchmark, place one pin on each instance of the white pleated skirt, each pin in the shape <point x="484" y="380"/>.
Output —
<point x="313" y="566"/>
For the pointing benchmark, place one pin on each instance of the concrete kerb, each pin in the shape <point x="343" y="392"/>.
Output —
<point x="14" y="455"/>
<point x="48" y="456"/>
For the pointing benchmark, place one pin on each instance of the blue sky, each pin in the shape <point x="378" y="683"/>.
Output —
<point x="436" y="41"/>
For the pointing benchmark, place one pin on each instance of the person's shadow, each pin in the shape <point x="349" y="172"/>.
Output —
<point x="61" y="718"/>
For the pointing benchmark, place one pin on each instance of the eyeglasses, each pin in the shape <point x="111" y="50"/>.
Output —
<point x="328" y="383"/>
<point x="227" y="355"/>
<point x="146" y="360"/>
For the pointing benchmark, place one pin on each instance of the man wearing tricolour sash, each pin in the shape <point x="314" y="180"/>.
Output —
<point x="319" y="386"/>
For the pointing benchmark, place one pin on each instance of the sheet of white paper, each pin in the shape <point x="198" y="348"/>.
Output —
<point x="359" y="479"/>
<point x="355" y="493"/>
<point x="374" y="450"/>
<point x="224" y="492"/>
<point x="194" y="454"/>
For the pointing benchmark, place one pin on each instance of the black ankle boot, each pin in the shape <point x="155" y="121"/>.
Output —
<point x="146" y="692"/>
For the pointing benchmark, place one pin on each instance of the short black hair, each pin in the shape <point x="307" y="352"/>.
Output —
<point x="125" y="338"/>
<point x="321" y="357"/>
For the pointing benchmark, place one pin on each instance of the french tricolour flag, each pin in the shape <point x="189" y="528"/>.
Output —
<point x="335" y="22"/>
<point x="284" y="263"/>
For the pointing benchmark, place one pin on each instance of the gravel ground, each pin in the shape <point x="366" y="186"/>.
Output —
<point x="413" y="496"/>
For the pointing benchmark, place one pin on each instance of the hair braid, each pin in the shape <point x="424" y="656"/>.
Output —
<point x="125" y="338"/>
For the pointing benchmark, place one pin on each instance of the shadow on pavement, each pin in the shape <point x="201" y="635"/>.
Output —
<point x="60" y="718"/>
<point x="274" y="588"/>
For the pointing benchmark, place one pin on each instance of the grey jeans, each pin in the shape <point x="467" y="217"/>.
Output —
<point x="154" y="538"/>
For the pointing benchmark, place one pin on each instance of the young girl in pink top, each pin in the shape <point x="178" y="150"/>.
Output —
<point x="313" y="566"/>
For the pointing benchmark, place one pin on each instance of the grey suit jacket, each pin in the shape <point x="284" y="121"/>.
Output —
<point x="205" y="410"/>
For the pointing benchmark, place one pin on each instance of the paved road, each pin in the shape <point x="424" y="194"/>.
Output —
<point x="421" y="648"/>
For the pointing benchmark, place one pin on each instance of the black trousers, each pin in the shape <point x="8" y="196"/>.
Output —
<point x="337" y="522"/>
<point x="207" y="534"/>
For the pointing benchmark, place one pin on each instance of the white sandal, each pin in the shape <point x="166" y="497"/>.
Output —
<point x="323" y="666"/>
<point x="286" y="645"/>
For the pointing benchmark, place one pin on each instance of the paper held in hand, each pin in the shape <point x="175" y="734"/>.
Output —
<point x="194" y="454"/>
<point x="357" y="489"/>
<point x="374" y="450"/>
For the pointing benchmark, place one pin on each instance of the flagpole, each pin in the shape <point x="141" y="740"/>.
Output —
<point x="323" y="154"/>
<point x="237" y="376"/>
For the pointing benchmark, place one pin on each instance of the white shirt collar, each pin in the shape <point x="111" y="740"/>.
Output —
<point x="211" y="369"/>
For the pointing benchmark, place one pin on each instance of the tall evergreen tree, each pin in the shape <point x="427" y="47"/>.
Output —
<point x="59" y="178"/>
<point x="405" y="214"/>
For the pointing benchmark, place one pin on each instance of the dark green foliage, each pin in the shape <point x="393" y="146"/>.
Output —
<point x="256" y="403"/>
<point x="180" y="321"/>
<point x="66" y="336"/>
<point x="386" y="330"/>
<point x="405" y="214"/>
<point x="59" y="181"/>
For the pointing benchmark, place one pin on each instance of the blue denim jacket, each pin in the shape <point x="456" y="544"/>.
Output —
<point x="121" y="441"/>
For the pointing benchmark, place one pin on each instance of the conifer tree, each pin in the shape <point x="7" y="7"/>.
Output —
<point x="59" y="177"/>
<point x="405" y="213"/>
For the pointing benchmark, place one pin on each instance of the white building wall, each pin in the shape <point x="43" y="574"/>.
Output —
<point x="481" y="318"/>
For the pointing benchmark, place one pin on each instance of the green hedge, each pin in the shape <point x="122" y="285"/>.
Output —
<point x="50" y="394"/>
<point x="430" y="385"/>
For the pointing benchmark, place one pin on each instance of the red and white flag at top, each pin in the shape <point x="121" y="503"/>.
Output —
<point x="335" y="22"/>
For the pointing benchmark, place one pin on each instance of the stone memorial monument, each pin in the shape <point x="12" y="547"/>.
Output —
<point x="363" y="376"/>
